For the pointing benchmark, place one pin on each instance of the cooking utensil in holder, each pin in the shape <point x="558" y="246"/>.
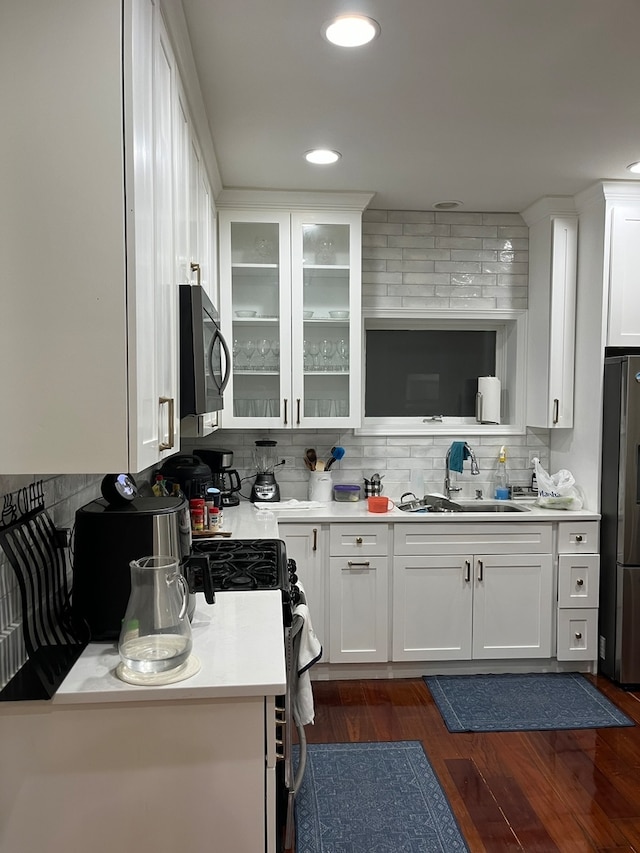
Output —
<point x="52" y="636"/>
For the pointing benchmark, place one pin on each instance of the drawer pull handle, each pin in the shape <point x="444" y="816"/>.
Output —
<point x="315" y="539"/>
<point x="556" y="411"/>
<point x="467" y="571"/>
<point x="352" y="565"/>
<point x="579" y="582"/>
<point x="281" y="716"/>
<point x="358" y="540"/>
<point x="480" y="570"/>
<point x="578" y="537"/>
<point x="578" y="635"/>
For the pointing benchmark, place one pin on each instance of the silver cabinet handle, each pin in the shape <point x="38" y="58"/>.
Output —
<point x="467" y="571"/>
<point x="352" y="565"/>
<point x="480" y="570"/>
<point x="172" y="436"/>
<point x="196" y="269"/>
<point x="556" y="410"/>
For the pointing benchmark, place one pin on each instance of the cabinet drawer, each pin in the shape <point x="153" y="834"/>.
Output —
<point x="460" y="538"/>
<point x="578" y="537"/>
<point x="354" y="540"/>
<point x="578" y="580"/>
<point x="578" y="634"/>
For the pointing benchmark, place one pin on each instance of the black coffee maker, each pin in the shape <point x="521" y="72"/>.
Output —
<point x="223" y="476"/>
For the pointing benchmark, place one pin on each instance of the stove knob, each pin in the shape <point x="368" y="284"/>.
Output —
<point x="293" y="577"/>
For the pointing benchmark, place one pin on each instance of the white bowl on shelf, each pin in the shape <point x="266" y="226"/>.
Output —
<point x="339" y="315"/>
<point x="307" y="315"/>
<point x="246" y="313"/>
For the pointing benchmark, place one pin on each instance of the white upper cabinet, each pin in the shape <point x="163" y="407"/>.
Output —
<point x="290" y="303"/>
<point x="624" y="274"/>
<point x="94" y="202"/>
<point x="553" y="235"/>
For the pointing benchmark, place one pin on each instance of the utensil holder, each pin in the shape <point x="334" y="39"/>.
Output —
<point x="320" y="486"/>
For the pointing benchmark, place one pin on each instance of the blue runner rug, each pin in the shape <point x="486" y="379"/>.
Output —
<point x="373" y="798"/>
<point x="531" y="702"/>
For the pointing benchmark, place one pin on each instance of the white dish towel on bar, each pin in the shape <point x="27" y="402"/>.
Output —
<point x="310" y="652"/>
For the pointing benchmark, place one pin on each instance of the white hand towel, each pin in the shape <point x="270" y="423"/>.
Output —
<point x="310" y="652"/>
<point x="292" y="504"/>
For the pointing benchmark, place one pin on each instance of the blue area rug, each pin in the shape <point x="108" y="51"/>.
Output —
<point x="531" y="702"/>
<point x="373" y="798"/>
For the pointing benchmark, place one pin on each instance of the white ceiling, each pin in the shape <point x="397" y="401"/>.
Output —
<point x="491" y="102"/>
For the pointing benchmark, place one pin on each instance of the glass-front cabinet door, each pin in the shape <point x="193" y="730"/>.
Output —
<point x="290" y="307"/>
<point x="255" y="312"/>
<point x="326" y="330"/>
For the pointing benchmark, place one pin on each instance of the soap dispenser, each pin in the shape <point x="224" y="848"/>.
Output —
<point x="502" y="476"/>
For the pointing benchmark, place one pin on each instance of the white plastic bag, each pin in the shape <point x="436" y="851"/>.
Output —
<point x="557" y="491"/>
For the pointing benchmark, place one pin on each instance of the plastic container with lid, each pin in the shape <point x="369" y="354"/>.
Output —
<point x="346" y="492"/>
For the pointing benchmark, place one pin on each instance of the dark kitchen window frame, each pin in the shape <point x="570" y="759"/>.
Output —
<point x="444" y="383"/>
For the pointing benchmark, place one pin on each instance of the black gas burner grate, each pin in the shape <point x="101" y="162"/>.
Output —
<point x="238" y="564"/>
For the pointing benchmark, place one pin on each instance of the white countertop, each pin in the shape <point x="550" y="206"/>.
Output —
<point x="238" y="641"/>
<point x="247" y="522"/>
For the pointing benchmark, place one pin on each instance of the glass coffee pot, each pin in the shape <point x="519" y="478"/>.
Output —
<point x="156" y="633"/>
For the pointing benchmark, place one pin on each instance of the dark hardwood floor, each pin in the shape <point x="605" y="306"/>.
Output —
<point x="568" y="791"/>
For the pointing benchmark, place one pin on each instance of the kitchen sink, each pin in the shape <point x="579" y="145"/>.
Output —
<point x="490" y="506"/>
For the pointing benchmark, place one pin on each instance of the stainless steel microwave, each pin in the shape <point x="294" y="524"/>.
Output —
<point x="205" y="363"/>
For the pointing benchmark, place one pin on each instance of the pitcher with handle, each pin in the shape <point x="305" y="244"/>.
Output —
<point x="156" y="633"/>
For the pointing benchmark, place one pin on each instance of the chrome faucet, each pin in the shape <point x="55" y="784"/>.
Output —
<point x="448" y="488"/>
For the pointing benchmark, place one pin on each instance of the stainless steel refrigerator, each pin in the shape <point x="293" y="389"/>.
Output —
<point x="619" y="614"/>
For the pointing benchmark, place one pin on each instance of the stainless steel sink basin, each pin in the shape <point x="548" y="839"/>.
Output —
<point x="491" y="506"/>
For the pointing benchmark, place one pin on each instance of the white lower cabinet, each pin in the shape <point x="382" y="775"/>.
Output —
<point x="307" y="545"/>
<point x="358" y="593"/>
<point x="472" y="591"/>
<point x="578" y="591"/>
<point x="472" y="606"/>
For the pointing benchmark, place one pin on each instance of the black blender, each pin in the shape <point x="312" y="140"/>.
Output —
<point x="265" y="487"/>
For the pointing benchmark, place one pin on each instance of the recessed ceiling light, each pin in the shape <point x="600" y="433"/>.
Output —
<point x="351" y="30"/>
<point x="634" y="167"/>
<point x="446" y="205"/>
<point x="322" y="156"/>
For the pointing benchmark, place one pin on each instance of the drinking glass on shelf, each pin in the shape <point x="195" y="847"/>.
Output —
<point x="326" y="350"/>
<point x="342" y="349"/>
<point x="236" y="354"/>
<point x="275" y="349"/>
<point x="248" y="349"/>
<point x="263" y="346"/>
<point x="313" y="348"/>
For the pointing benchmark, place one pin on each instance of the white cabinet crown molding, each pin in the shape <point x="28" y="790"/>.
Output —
<point x="555" y="205"/>
<point x="293" y="200"/>
<point x="610" y="191"/>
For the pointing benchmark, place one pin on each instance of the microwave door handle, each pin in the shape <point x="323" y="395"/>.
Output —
<point x="215" y="337"/>
<point x="227" y="358"/>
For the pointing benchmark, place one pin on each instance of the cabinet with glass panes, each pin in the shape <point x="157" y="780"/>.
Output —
<point x="290" y="305"/>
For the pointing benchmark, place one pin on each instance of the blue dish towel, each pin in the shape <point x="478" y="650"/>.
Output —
<point x="458" y="453"/>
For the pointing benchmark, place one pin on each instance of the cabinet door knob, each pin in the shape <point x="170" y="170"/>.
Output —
<point x="579" y="582"/>
<point x="358" y="540"/>
<point x="578" y="537"/>
<point x="578" y="635"/>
